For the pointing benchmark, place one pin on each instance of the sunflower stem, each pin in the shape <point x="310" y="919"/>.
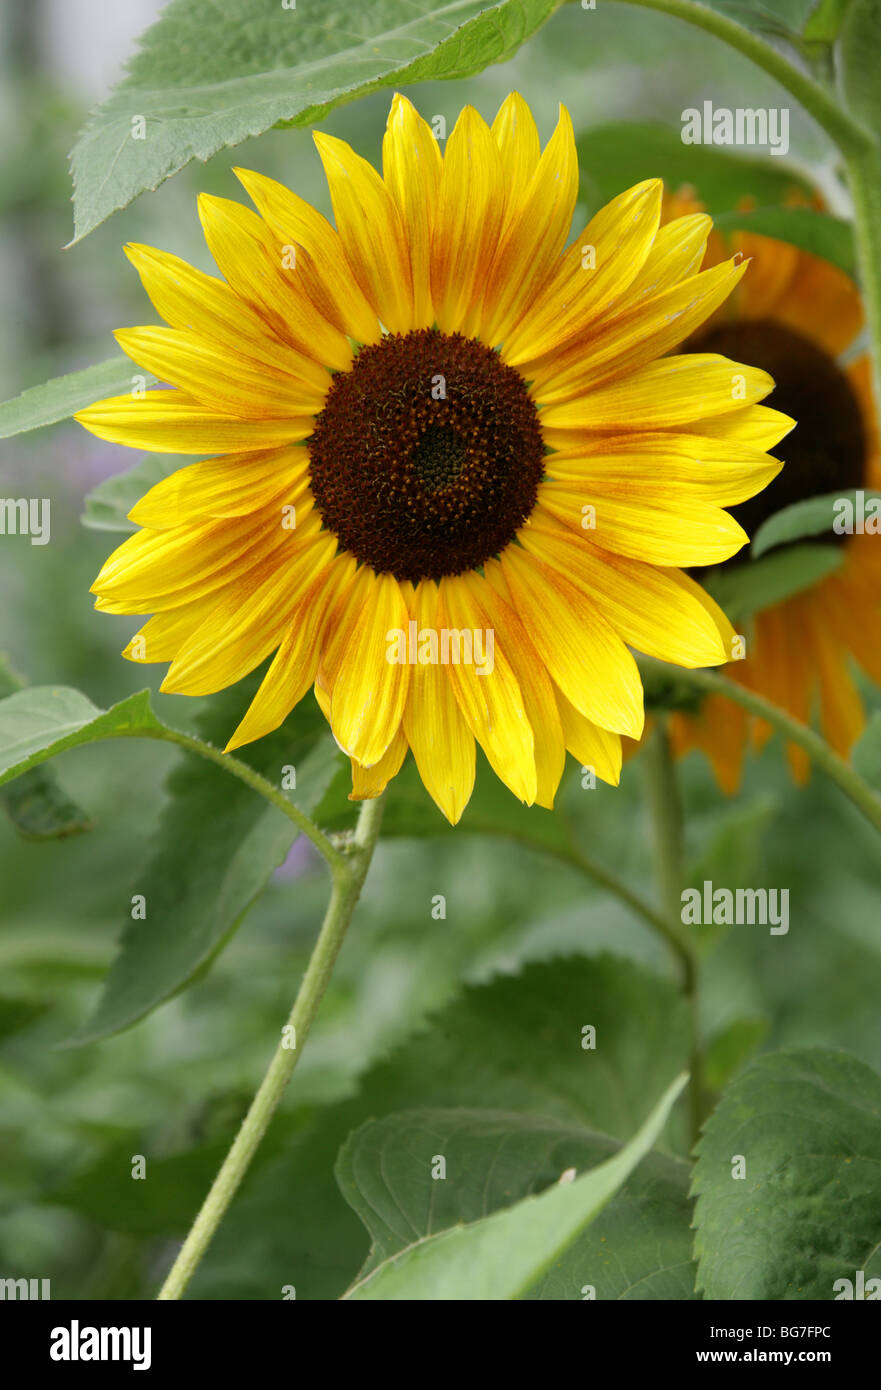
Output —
<point x="840" y="772"/>
<point x="864" y="180"/>
<point x="665" y="806"/>
<point x="348" y="881"/>
<point x="820" y="101"/>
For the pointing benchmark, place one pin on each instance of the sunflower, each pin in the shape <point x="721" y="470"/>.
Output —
<point x="454" y="470"/>
<point x="797" y="316"/>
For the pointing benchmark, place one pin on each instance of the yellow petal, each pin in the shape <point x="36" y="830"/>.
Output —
<point x="758" y="427"/>
<point x="171" y="422"/>
<point x="156" y="570"/>
<point x="534" y="236"/>
<point x="190" y="300"/>
<point x="216" y="376"/>
<point x="320" y="260"/>
<point x="368" y="691"/>
<point x="595" y="748"/>
<point x="676" y="254"/>
<point x="471" y="205"/>
<point x="515" y="133"/>
<point x="658" y="527"/>
<point x="442" y="743"/>
<point x="665" y="467"/>
<point x="595" y="271"/>
<point x="583" y="654"/>
<point x="412" y="166"/>
<point x="627" y="341"/>
<point x="370" y="782"/>
<point x="535" y="684"/>
<point x="295" y="664"/>
<point x="663" y="394"/>
<point x="643" y="604"/>
<point x="234" y="485"/>
<point x="492" y="703"/>
<point x="371" y="231"/>
<point x="163" y="635"/>
<point x="249" y="621"/>
<point x="251" y="259"/>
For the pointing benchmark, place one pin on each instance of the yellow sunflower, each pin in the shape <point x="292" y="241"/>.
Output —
<point x="454" y="468"/>
<point x="795" y="315"/>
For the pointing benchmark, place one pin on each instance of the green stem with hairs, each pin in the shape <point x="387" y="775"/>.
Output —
<point x="665" y="806"/>
<point x="348" y="880"/>
<point x="817" y="100"/>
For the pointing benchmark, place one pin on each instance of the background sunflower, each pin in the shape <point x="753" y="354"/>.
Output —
<point x="800" y="318"/>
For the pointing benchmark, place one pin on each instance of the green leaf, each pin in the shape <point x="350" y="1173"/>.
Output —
<point x="831" y="238"/>
<point x="62" y="397"/>
<point x="216" y="848"/>
<point x="201" y="83"/>
<point x="38" y="807"/>
<point x="518" y="1040"/>
<point x="807" y="1125"/>
<point x="811" y="517"/>
<point x="859" y="55"/>
<point x="504" y="1255"/>
<point x="732" y="855"/>
<point x="164" y="1202"/>
<point x="748" y="588"/>
<point x="640" y="1245"/>
<point x="44" y="720"/>
<point x="617" y="155"/>
<point x="107" y="506"/>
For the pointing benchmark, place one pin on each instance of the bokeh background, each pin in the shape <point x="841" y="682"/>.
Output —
<point x="178" y="1081"/>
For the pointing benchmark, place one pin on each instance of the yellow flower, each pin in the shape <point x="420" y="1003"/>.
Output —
<point x="415" y="417"/>
<point x="795" y="315"/>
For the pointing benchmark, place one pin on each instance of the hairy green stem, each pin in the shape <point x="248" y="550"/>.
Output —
<point x="840" y="772"/>
<point x="665" y="805"/>
<point x="347" y="883"/>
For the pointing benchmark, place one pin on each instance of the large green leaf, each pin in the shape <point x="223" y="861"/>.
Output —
<point x="504" y="1255"/>
<point x="807" y="1126"/>
<point x="516" y="1040"/>
<point x="62" y="397"/>
<point x="639" y="1247"/>
<point x="811" y="517"/>
<point x="203" y="80"/>
<point x="216" y="847"/>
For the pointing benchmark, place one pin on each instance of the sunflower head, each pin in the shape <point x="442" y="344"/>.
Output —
<point x="454" y="467"/>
